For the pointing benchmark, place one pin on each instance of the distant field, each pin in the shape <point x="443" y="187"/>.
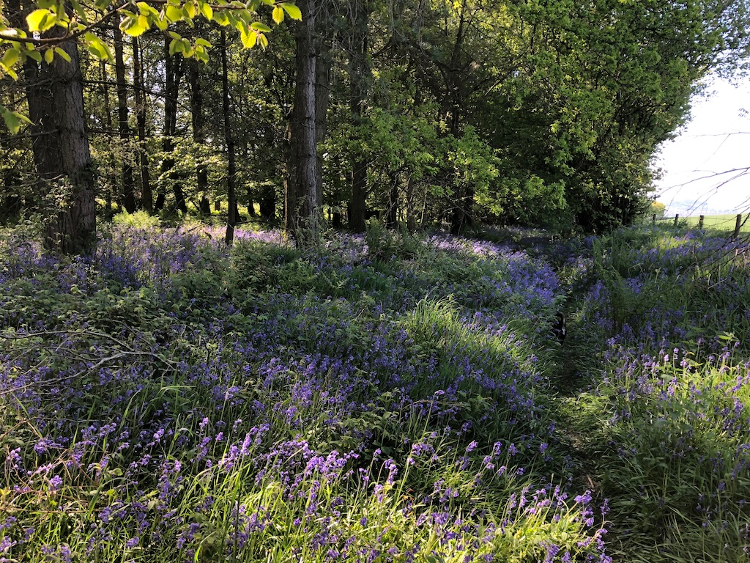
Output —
<point x="717" y="222"/>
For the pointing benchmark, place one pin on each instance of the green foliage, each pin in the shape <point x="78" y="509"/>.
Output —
<point x="137" y="220"/>
<point x="384" y="245"/>
<point x="658" y="209"/>
<point x="79" y="22"/>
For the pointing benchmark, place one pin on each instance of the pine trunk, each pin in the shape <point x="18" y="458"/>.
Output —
<point x="147" y="197"/>
<point x="232" y="166"/>
<point x="61" y="150"/>
<point x="359" y="76"/>
<point x="128" y="188"/>
<point x="302" y="188"/>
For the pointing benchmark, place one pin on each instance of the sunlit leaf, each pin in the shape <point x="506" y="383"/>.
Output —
<point x="135" y="26"/>
<point x="221" y="18"/>
<point x="11" y="121"/>
<point x="11" y="57"/>
<point x="49" y="56"/>
<point x="248" y="40"/>
<point x="263" y="40"/>
<point x="278" y="14"/>
<point x="257" y="26"/>
<point x="174" y="13"/>
<point x="206" y="10"/>
<point x="63" y="54"/>
<point x="189" y="10"/>
<point x="292" y="10"/>
<point x="97" y="47"/>
<point x="41" y="20"/>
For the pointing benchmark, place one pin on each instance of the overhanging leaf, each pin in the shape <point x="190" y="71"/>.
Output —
<point x="257" y="26"/>
<point x="63" y="54"/>
<point x="292" y="10"/>
<point x="41" y="20"/>
<point x="11" y="57"/>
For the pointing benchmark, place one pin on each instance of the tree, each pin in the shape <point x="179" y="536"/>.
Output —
<point x="302" y="187"/>
<point x="62" y="151"/>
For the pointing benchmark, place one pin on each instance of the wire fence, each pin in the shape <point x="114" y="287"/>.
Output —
<point x="734" y="224"/>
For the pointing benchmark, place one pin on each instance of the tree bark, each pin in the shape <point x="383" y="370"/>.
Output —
<point x="359" y="78"/>
<point x="232" y="166"/>
<point x="112" y="181"/>
<point x="173" y="70"/>
<point x="61" y="149"/>
<point x="128" y="188"/>
<point x="301" y="187"/>
<point x="147" y="198"/>
<point x="197" y="120"/>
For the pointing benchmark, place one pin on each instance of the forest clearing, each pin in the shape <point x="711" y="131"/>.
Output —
<point x="379" y="397"/>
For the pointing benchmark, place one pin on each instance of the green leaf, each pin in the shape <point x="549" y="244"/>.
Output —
<point x="263" y="40"/>
<point x="174" y="13"/>
<point x="257" y="26"/>
<point x="49" y="56"/>
<point x="11" y="121"/>
<point x="206" y="10"/>
<point x="292" y="10"/>
<point x="189" y="10"/>
<point x="161" y="22"/>
<point x="63" y="54"/>
<point x="36" y="55"/>
<point x="248" y="39"/>
<point x="221" y="18"/>
<point x="135" y="26"/>
<point x="202" y="42"/>
<point x="278" y="14"/>
<point x="173" y="46"/>
<point x="97" y="47"/>
<point x="80" y="12"/>
<point x="11" y="57"/>
<point x="41" y="20"/>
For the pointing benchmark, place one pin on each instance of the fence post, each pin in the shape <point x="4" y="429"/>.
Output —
<point x="737" y="226"/>
<point x="676" y="217"/>
<point x="653" y="219"/>
<point x="700" y="222"/>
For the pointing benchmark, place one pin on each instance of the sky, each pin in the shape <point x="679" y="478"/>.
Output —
<point x="697" y="166"/>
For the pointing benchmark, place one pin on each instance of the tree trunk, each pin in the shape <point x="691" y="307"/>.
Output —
<point x="128" y="189"/>
<point x="112" y="181"/>
<point x="302" y="188"/>
<point x="392" y="215"/>
<point x="232" y="167"/>
<point x="61" y="150"/>
<point x="268" y="203"/>
<point x="359" y="77"/>
<point x="411" y="220"/>
<point x="197" y="120"/>
<point x="147" y="198"/>
<point x="173" y="68"/>
<point x="322" y="96"/>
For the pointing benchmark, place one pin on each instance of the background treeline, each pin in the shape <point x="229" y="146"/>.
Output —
<point x="506" y="111"/>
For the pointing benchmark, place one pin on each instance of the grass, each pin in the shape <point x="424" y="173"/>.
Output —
<point x="381" y="398"/>
<point x="721" y="223"/>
